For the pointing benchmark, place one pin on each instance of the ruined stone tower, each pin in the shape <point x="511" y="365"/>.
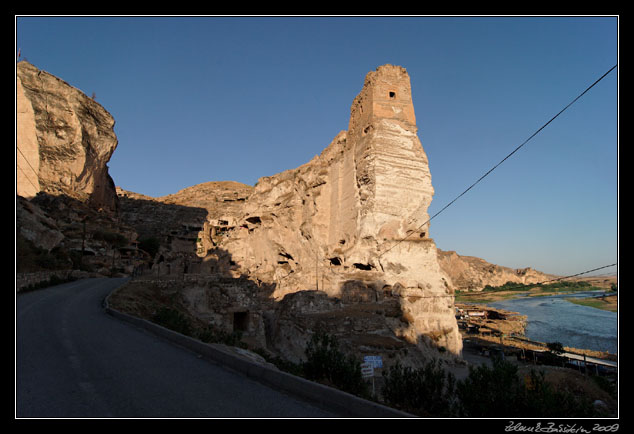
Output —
<point x="392" y="168"/>
<point x="339" y="222"/>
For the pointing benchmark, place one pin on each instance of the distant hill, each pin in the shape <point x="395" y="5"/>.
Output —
<point x="469" y="273"/>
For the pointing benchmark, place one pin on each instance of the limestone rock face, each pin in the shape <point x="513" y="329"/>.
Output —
<point x="28" y="150"/>
<point x="64" y="139"/>
<point x="339" y="222"/>
<point x="468" y="273"/>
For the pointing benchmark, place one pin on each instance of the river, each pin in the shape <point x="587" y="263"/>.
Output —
<point x="554" y="319"/>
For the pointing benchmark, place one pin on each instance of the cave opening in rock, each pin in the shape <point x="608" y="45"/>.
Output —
<point x="240" y="321"/>
<point x="362" y="266"/>
<point x="286" y="255"/>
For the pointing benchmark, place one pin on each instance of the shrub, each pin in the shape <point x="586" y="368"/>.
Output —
<point x="213" y="334"/>
<point x="490" y="391"/>
<point x="173" y="320"/>
<point x="326" y="363"/>
<point x="498" y="391"/>
<point x="555" y="348"/>
<point x="427" y="391"/>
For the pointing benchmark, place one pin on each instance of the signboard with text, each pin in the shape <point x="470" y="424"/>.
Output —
<point x="367" y="370"/>
<point x="375" y="361"/>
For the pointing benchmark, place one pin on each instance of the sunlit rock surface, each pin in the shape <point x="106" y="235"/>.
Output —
<point x="350" y="221"/>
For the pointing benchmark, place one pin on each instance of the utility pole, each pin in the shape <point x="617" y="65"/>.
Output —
<point x="113" y="252"/>
<point x="317" y="270"/>
<point x="83" y="243"/>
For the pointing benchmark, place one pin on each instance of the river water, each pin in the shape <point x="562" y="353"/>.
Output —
<point x="553" y="319"/>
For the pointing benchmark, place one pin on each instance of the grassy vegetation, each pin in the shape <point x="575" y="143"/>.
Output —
<point x="561" y="286"/>
<point x="512" y="289"/>
<point x="598" y="303"/>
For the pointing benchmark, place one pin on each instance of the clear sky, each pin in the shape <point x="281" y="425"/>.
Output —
<point x="199" y="99"/>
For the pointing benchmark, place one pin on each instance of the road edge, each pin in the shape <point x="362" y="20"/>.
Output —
<point x="317" y="393"/>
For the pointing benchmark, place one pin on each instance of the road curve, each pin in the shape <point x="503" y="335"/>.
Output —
<point x="75" y="361"/>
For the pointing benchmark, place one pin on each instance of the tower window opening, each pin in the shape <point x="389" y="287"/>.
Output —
<point x="392" y="95"/>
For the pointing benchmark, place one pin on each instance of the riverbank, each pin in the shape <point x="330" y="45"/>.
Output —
<point x="511" y="291"/>
<point x="498" y="327"/>
<point x="604" y="302"/>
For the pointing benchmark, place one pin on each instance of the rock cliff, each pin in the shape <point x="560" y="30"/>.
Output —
<point x="66" y="204"/>
<point x="64" y="140"/>
<point x="468" y="273"/>
<point x="352" y="220"/>
<point x="174" y="221"/>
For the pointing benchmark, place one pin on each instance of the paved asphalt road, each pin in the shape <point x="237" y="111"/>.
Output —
<point x="73" y="360"/>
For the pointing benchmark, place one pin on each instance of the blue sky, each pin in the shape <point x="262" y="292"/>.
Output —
<point x="200" y="99"/>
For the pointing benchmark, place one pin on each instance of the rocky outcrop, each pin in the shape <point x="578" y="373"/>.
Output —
<point x="27" y="147"/>
<point x="64" y="140"/>
<point x="66" y="204"/>
<point x="35" y="225"/>
<point x="174" y="221"/>
<point x="353" y="219"/>
<point x="468" y="273"/>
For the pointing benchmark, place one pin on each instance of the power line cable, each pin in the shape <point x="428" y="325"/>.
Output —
<point x="26" y="160"/>
<point x="27" y="178"/>
<point x="31" y="167"/>
<point x="502" y="161"/>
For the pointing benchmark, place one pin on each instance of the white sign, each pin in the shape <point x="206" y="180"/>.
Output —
<point x="367" y="370"/>
<point x="375" y="361"/>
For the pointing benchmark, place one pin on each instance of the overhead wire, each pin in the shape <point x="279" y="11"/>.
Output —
<point x="499" y="163"/>
<point x="31" y="167"/>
